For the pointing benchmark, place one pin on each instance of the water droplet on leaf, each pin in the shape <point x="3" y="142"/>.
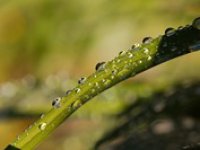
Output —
<point x="68" y="92"/>
<point x="149" y="58"/>
<point x="82" y="80"/>
<point x="147" y="40"/>
<point x="170" y="31"/>
<point x="130" y="55"/>
<point x="100" y="66"/>
<point x="77" y="90"/>
<point x="146" y="51"/>
<point x="134" y="46"/>
<point x="42" y="126"/>
<point x="114" y="72"/>
<point x="122" y="53"/>
<point x="56" y="102"/>
<point x="77" y="103"/>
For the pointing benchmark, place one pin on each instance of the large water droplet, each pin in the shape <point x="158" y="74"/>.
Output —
<point x="42" y="126"/>
<point x="196" y="23"/>
<point x="82" y="80"/>
<point x="100" y="66"/>
<point x="170" y="31"/>
<point x="56" y="102"/>
<point x="147" y="40"/>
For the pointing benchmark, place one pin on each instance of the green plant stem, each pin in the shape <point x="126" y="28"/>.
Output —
<point x="127" y="64"/>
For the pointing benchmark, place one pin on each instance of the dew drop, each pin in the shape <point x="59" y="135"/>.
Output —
<point x="68" y="92"/>
<point x="149" y="58"/>
<point x="147" y="40"/>
<point x="196" y="23"/>
<point x="56" y="102"/>
<point x="77" y="103"/>
<point x="130" y="55"/>
<point x="170" y="31"/>
<point x="82" y="80"/>
<point x="114" y="72"/>
<point x="121" y="53"/>
<point x="134" y="46"/>
<point x="100" y="66"/>
<point x="146" y="51"/>
<point x="42" y="126"/>
<point x="139" y="61"/>
<point x="77" y="90"/>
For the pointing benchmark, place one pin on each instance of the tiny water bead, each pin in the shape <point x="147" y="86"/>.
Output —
<point x="82" y="80"/>
<point x="42" y="126"/>
<point x="56" y="102"/>
<point x="146" y="51"/>
<point x="149" y="58"/>
<point x="170" y="31"/>
<point x="114" y="72"/>
<point x="130" y="55"/>
<point x="121" y="53"/>
<point x="77" y="103"/>
<point x="100" y="66"/>
<point x="77" y="90"/>
<point x="68" y="92"/>
<point x="196" y="23"/>
<point x="147" y="40"/>
<point x="103" y="80"/>
<point x="134" y="46"/>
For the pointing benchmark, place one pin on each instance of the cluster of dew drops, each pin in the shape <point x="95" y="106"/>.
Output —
<point x="56" y="103"/>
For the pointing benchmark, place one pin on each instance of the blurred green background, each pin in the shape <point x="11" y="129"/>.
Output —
<point x="45" y="46"/>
